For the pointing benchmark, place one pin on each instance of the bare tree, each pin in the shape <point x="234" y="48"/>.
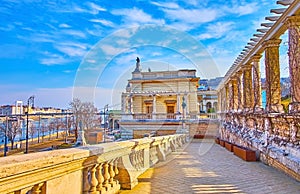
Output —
<point x="85" y="113"/>
<point x="43" y="131"/>
<point x="57" y="125"/>
<point x="13" y="129"/>
<point x="88" y="115"/>
<point x="51" y="127"/>
<point x="76" y="106"/>
<point x="32" y="130"/>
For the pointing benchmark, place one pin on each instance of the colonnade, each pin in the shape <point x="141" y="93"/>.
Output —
<point x="242" y="90"/>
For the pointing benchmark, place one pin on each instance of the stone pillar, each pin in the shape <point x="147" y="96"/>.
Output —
<point x="224" y="99"/>
<point x="234" y="92"/>
<point x="247" y="87"/>
<point x="240" y="90"/>
<point x="220" y="101"/>
<point x="272" y="66"/>
<point x="187" y="109"/>
<point x="131" y="105"/>
<point x="154" y="107"/>
<point x="178" y="103"/>
<point x="293" y="24"/>
<point x="230" y="95"/>
<point x="124" y="103"/>
<point x="256" y="82"/>
<point x="227" y="101"/>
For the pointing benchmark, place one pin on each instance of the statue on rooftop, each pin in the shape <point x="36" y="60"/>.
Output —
<point x="138" y="65"/>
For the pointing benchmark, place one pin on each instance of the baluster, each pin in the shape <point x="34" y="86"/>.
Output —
<point x="137" y="162"/>
<point x="100" y="177"/>
<point x="141" y="156"/>
<point x="36" y="189"/>
<point x="86" y="184"/>
<point x="133" y="162"/>
<point x="111" y="173"/>
<point x="106" y="175"/>
<point x="94" y="181"/>
<point x="116" y="169"/>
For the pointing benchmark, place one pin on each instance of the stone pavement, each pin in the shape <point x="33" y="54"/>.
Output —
<point x="209" y="168"/>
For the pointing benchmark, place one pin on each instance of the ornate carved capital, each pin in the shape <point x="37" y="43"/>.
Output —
<point x="271" y="43"/>
<point x="256" y="58"/>
<point x="292" y="21"/>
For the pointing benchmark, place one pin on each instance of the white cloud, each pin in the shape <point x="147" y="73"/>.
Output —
<point x="54" y="59"/>
<point x="136" y="16"/>
<point x="103" y="22"/>
<point x="216" y="30"/>
<point x="122" y="42"/>
<point x="71" y="51"/>
<point x="75" y="44"/>
<point x="75" y="33"/>
<point x="111" y="50"/>
<point x="191" y="16"/>
<point x="169" y="5"/>
<point x="95" y="9"/>
<point x="92" y="8"/>
<point x="243" y="9"/>
<point x="64" y="25"/>
<point x="181" y="26"/>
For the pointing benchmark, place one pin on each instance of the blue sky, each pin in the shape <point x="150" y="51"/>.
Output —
<point x="45" y="45"/>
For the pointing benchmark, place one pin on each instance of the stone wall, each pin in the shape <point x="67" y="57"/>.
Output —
<point x="275" y="138"/>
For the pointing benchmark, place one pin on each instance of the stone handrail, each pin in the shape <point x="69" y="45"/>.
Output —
<point x="102" y="168"/>
<point x="276" y="137"/>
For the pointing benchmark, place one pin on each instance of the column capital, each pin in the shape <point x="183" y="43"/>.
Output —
<point x="239" y="73"/>
<point x="256" y="58"/>
<point x="233" y="78"/>
<point x="271" y="43"/>
<point x="247" y="66"/>
<point x="292" y="21"/>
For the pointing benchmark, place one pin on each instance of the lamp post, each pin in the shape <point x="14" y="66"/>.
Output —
<point x="39" y="128"/>
<point x="104" y="111"/>
<point x="29" y="101"/>
<point x="67" y="126"/>
<point x="5" y="137"/>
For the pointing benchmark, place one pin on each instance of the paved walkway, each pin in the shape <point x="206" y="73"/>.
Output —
<point x="209" y="168"/>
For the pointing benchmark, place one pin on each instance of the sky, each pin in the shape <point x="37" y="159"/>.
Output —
<point x="58" y="49"/>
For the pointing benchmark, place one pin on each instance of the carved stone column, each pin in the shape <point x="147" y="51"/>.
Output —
<point x="234" y="94"/>
<point x="178" y="103"/>
<point x="247" y="87"/>
<point x="272" y="66"/>
<point x="223" y="99"/>
<point x="230" y="96"/>
<point x="219" y="102"/>
<point x="240" y="90"/>
<point x="257" y="101"/>
<point x="227" y="108"/>
<point x="130" y="104"/>
<point x="293" y="24"/>
<point x="154" y="107"/>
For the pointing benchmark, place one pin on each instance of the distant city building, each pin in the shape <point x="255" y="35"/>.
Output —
<point x="161" y="101"/>
<point x="19" y="109"/>
<point x="14" y="109"/>
<point x="161" y="93"/>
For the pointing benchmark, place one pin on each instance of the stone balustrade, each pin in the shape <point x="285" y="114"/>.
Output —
<point x="275" y="137"/>
<point x="102" y="168"/>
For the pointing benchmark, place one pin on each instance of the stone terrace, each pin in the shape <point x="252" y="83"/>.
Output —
<point x="193" y="170"/>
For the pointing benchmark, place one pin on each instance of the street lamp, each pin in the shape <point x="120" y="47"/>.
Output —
<point x="105" y="110"/>
<point x="5" y="138"/>
<point x="29" y="101"/>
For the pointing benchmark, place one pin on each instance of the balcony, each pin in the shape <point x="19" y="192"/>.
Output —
<point x="167" y="117"/>
<point x="102" y="168"/>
